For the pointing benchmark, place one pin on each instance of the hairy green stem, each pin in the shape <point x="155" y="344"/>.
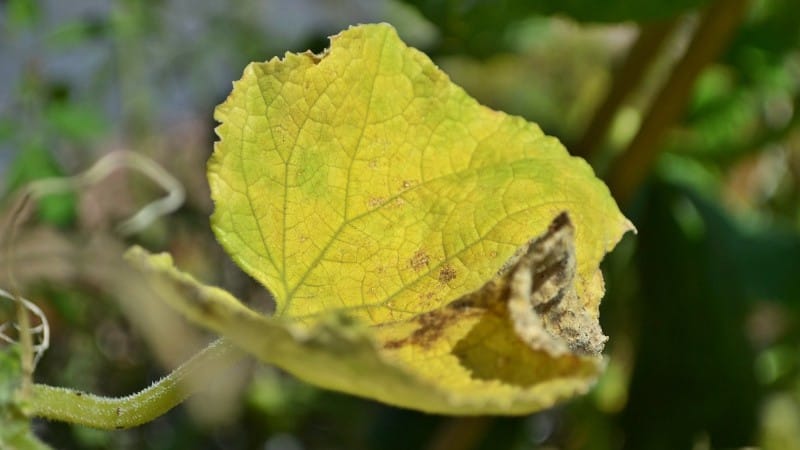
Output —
<point x="69" y="405"/>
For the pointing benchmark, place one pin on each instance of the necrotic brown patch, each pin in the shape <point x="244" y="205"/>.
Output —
<point x="433" y="325"/>
<point x="447" y="274"/>
<point x="419" y="261"/>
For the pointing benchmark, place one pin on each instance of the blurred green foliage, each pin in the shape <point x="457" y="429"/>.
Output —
<point x="702" y="308"/>
<point x="16" y="430"/>
<point x="36" y="163"/>
<point x="481" y="27"/>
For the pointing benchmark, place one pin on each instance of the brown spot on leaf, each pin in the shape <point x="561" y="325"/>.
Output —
<point x="420" y="260"/>
<point x="397" y="343"/>
<point x="374" y="202"/>
<point x="432" y="325"/>
<point x="501" y="362"/>
<point x="426" y="296"/>
<point x="407" y="184"/>
<point x="447" y="274"/>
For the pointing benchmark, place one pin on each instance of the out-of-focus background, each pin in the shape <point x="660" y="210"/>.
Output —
<point x="688" y="109"/>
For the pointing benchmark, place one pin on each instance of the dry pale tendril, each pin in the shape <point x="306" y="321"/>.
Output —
<point x="58" y="403"/>
<point x="112" y="161"/>
<point x="176" y="194"/>
<point x="40" y="332"/>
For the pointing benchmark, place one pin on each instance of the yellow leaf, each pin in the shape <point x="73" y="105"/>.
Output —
<point x="363" y="182"/>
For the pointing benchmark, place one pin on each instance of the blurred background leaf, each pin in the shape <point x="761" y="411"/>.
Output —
<point x="485" y="27"/>
<point x="36" y="163"/>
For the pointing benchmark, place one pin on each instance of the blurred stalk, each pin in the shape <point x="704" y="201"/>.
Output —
<point x="716" y="27"/>
<point x="460" y="433"/>
<point x="23" y="321"/>
<point x="641" y="56"/>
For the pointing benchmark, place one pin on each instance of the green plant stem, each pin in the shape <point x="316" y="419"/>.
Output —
<point x="69" y="405"/>
<point x="717" y="25"/>
<point x="18" y="216"/>
<point x="26" y="346"/>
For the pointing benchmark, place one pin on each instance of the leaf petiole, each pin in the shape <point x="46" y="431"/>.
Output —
<point x="73" y="406"/>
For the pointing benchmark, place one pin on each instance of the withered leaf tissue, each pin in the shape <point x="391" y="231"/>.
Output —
<point x="536" y="290"/>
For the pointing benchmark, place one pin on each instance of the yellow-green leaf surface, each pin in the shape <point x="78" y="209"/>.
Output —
<point x="364" y="182"/>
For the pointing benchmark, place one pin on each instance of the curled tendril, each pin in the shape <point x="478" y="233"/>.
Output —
<point x="176" y="194"/>
<point x="104" y="167"/>
<point x="40" y="332"/>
